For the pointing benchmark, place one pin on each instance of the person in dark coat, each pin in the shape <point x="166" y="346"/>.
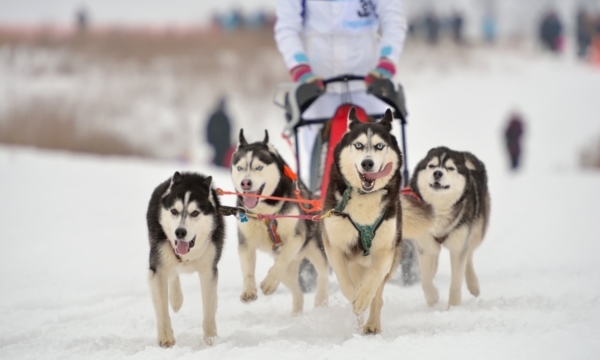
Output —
<point x="457" y="27"/>
<point x="513" y="134"/>
<point x="584" y="32"/>
<point x="218" y="134"/>
<point x="432" y="28"/>
<point x="551" y="31"/>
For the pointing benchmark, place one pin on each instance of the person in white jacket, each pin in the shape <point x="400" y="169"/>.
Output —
<point x="320" y="39"/>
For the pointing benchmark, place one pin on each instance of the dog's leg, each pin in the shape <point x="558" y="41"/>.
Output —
<point x="428" y="259"/>
<point x="457" y="243"/>
<point x="381" y="264"/>
<point x="373" y="325"/>
<point x="159" y="290"/>
<point x="209" y="278"/>
<point x="175" y="294"/>
<point x="319" y="261"/>
<point x="290" y="280"/>
<point x="337" y="259"/>
<point x="248" y="262"/>
<point x="471" y="277"/>
<point x="289" y="250"/>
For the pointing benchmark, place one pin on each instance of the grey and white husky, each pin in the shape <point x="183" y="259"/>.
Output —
<point x="363" y="237"/>
<point x="455" y="184"/>
<point x="186" y="234"/>
<point x="257" y="169"/>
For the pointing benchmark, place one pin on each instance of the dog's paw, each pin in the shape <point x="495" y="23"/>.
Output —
<point x="473" y="288"/>
<point x="371" y="329"/>
<point x="166" y="339"/>
<point x="269" y="284"/>
<point x="455" y="299"/>
<point x="362" y="300"/>
<point x="176" y="300"/>
<point x="210" y="337"/>
<point x="248" y="296"/>
<point x="432" y="296"/>
<point x="321" y="300"/>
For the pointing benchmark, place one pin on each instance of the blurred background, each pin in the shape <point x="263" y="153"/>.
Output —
<point x="142" y="78"/>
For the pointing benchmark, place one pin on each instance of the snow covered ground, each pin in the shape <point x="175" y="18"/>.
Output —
<point x="73" y="247"/>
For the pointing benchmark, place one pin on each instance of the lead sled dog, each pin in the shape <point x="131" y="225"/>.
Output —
<point x="257" y="169"/>
<point x="363" y="237"/>
<point x="455" y="184"/>
<point x="186" y="234"/>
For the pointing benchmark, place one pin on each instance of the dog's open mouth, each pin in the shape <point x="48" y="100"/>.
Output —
<point x="250" y="202"/>
<point x="437" y="186"/>
<point x="183" y="247"/>
<point x="368" y="178"/>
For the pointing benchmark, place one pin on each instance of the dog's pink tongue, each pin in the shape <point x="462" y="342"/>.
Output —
<point x="250" y="201"/>
<point x="183" y="247"/>
<point x="378" y="175"/>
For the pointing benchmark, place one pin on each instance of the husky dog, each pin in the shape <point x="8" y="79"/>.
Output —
<point x="257" y="169"/>
<point x="186" y="234"/>
<point x="455" y="184"/>
<point x="363" y="237"/>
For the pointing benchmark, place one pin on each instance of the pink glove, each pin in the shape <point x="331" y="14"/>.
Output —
<point x="385" y="70"/>
<point x="303" y="74"/>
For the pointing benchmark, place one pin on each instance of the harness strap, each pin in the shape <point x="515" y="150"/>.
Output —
<point x="272" y="230"/>
<point x="366" y="233"/>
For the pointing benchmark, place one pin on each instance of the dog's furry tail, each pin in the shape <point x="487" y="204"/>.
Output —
<point x="418" y="217"/>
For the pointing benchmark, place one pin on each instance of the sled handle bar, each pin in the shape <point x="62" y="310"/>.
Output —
<point x="343" y="78"/>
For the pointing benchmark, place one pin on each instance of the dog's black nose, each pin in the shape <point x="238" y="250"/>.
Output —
<point x="437" y="174"/>
<point x="367" y="164"/>
<point x="180" y="233"/>
<point x="246" y="184"/>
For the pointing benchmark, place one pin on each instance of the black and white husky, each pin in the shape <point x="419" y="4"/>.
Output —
<point x="186" y="234"/>
<point x="455" y="184"/>
<point x="258" y="169"/>
<point x="363" y="238"/>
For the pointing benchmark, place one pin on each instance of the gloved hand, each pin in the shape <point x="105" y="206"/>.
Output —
<point x="385" y="70"/>
<point x="303" y="74"/>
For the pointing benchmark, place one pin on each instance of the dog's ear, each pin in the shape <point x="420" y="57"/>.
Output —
<point x="242" y="139"/>
<point x="208" y="181"/>
<point x="387" y="119"/>
<point x="352" y="118"/>
<point x="266" y="139"/>
<point x="176" y="178"/>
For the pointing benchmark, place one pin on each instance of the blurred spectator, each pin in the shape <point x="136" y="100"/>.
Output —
<point x="513" y="134"/>
<point x="457" y="23"/>
<point x="218" y="134"/>
<point x="432" y="27"/>
<point x="489" y="28"/>
<point x="551" y="31"/>
<point x="81" y="19"/>
<point x="585" y="29"/>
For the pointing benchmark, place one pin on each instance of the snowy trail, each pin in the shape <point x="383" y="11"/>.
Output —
<point x="73" y="248"/>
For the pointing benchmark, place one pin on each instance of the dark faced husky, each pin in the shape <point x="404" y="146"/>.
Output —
<point x="186" y="235"/>
<point x="455" y="184"/>
<point x="257" y="169"/>
<point x="363" y="237"/>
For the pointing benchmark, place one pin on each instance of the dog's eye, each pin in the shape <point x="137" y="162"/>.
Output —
<point x="431" y="166"/>
<point x="174" y="212"/>
<point x="239" y="168"/>
<point x="195" y="213"/>
<point x="451" y="169"/>
<point x="259" y="167"/>
<point x="379" y="146"/>
<point x="358" y="145"/>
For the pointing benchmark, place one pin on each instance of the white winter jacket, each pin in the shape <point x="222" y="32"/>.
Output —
<point x="338" y="37"/>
